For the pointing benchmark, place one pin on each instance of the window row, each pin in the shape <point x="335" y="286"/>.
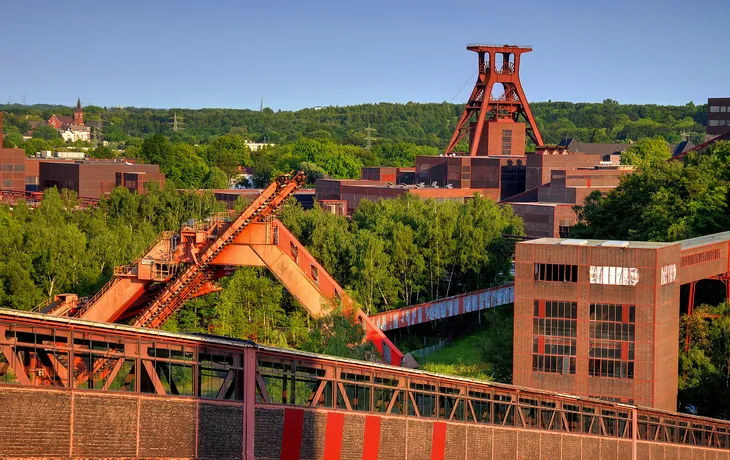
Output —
<point x="553" y="364"/>
<point x="555" y="309"/>
<point x="554" y="327"/>
<point x="719" y="108"/>
<point x="553" y="346"/>
<point x="617" y="276"/>
<point x="718" y="122"/>
<point x="611" y="350"/>
<point x="610" y="368"/>
<point x="41" y="367"/>
<point x="556" y="272"/>
<point x="612" y="331"/>
<point x="18" y="167"/>
<point x="700" y="257"/>
<point x="612" y="312"/>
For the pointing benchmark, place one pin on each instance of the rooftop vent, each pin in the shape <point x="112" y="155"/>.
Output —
<point x="573" y="242"/>
<point x="615" y="244"/>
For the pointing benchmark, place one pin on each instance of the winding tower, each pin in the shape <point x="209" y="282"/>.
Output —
<point x="498" y="129"/>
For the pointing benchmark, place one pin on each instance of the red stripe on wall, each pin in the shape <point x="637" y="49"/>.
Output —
<point x="371" y="443"/>
<point x="333" y="435"/>
<point x="292" y="438"/>
<point x="438" y="441"/>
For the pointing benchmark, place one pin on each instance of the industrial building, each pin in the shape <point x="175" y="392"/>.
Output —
<point x="542" y="186"/>
<point x="305" y="197"/>
<point x="97" y="178"/>
<point x="718" y="117"/>
<point x="12" y="166"/>
<point x="601" y="318"/>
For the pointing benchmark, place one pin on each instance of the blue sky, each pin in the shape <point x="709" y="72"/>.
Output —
<point x="297" y="54"/>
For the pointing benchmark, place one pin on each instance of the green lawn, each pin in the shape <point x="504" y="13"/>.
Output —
<point x="462" y="358"/>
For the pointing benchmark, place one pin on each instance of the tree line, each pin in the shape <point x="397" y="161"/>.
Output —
<point x="422" y="124"/>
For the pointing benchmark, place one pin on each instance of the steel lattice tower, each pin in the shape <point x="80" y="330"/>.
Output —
<point x="510" y="105"/>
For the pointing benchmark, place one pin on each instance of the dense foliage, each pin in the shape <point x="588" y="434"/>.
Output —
<point x="55" y="248"/>
<point x="407" y="250"/>
<point x="704" y="372"/>
<point x="663" y="201"/>
<point x="428" y="124"/>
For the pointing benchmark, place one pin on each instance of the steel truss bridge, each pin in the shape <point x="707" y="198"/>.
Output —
<point x="200" y="396"/>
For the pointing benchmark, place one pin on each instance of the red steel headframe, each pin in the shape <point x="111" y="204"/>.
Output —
<point x="510" y="105"/>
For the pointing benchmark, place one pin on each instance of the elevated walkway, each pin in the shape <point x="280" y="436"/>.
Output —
<point x="200" y="396"/>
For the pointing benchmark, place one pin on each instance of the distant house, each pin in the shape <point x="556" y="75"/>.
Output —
<point x="72" y="129"/>
<point x="256" y="146"/>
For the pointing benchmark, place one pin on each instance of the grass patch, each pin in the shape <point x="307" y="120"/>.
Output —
<point x="462" y="358"/>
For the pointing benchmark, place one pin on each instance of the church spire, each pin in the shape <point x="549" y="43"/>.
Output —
<point x="78" y="114"/>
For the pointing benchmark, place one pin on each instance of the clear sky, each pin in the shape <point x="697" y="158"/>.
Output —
<point x="296" y="54"/>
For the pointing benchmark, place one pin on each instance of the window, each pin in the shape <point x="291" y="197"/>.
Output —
<point x="619" y="276"/>
<point x="556" y="272"/>
<point x="6" y="167"/>
<point x="700" y="257"/>
<point x="315" y="273"/>
<point x="714" y="108"/>
<point x="553" y="336"/>
<point x="713" y="122"/>
<point x="611" y="341"/>
<point x="294" y="251"/>
<point x="18" y="167"/>
<point x="507" y="142"/>
<point x="669" y="274"/>
<point x="723" y="109"/>
<point x="7" y="182"/>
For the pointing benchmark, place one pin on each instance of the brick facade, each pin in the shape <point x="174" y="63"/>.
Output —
<point x="42" y="424"/>
<point x="654" y="319"/>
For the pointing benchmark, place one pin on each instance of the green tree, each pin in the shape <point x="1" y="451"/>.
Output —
<point x="46" y="132"/>
<point x="704" y="376"/>
<point x="668" y="202"/>
<point x="647" y="152"/>
<point x="228" y="153"/>
<point x="339" y="334"/>
<point x="250" y="308"/>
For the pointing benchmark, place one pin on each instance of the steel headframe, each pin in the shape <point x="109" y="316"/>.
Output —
<point x="510" y="105"/>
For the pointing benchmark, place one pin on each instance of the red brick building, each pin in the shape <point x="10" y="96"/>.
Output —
<point x="556" y="181"/>
<point x="12" y="166"/>
<point x="96" y="178"/>
<point x="599" y="318"/>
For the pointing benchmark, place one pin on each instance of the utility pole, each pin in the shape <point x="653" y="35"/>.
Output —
<point x="96" y="136"/>
<point x="24" y="98"/>
<point x="177" y="122"/>
<point x="369" y="143"/>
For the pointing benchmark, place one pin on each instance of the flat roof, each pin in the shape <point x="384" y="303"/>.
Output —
<point x="535" y="203"/>
<point x="705" y="240"/>
<point x="600" y="243"/>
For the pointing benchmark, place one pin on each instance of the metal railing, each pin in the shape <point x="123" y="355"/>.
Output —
<point x="423" y="352"/>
